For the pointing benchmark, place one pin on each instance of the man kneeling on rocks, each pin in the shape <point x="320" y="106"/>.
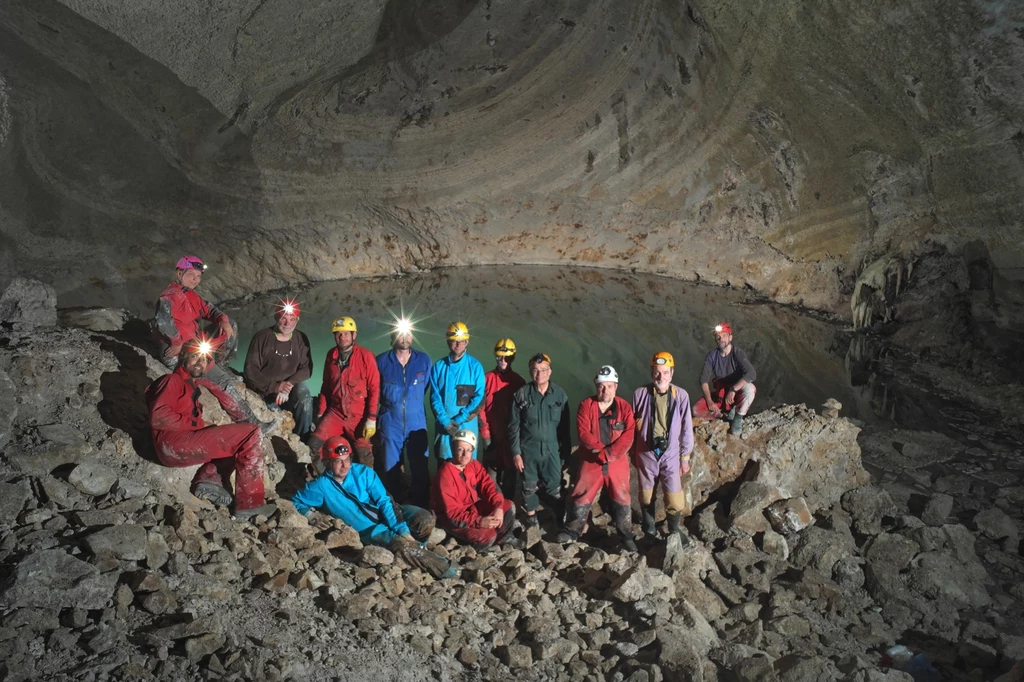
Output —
<point x="354" y="494"/>
<point x="182" y="438"/>
<point x="467" y="501"/>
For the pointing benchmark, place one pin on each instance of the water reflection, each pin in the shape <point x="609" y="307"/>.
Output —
<point x="583" y="319"/>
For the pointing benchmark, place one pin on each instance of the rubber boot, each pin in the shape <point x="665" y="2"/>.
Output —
<point x="621" y="514"/>
<point x="574" y="522"/>
<point x="736" y="428"/>
<point x="211" y="492"/>
<point x="675" y="521"/>
<point x="650" y="528"/>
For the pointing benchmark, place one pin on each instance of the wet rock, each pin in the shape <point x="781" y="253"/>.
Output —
<point x="28" y="304"/>
<point x="124" y="542"/>
<point x="53" y="579"/>
<point x="789" y="516"/>
<point x="869" y="506"/>
<point x="92" y="478"/>
<point x="93" y="319"/>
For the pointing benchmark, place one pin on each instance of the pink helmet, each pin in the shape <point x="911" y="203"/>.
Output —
<point x="190" y="263"/>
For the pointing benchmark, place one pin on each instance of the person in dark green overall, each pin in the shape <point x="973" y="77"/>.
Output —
<point x="539" y="439"/>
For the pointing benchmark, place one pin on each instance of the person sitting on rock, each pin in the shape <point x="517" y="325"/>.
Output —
<point x="278" y="364"/>
<point x="179" y="313"/>
<point x="467" y="501"/>
<point x="501" y="383"/>
<point x="606" y="429"/>
<point x="349" y="395"/>
<point x="182" y="438"/>
<point x="664" y="441"/>
<point x="727" y="372"/>
<point x="540" y="441"/>
<point x="354" y="494"/>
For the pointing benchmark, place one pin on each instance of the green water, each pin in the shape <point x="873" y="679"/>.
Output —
<point x="583" y="319"/>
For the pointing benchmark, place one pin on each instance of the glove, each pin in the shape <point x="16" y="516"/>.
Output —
<point x="487" y="443"/>
<point x="452" y="429"/>
<point x="370" y="428"/>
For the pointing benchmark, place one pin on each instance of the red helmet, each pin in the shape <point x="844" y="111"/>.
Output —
<point x="335" y="448"/>
<point x="287" y="307"/>
<point x="190" y="263"/>
<point x="723" y="328"/>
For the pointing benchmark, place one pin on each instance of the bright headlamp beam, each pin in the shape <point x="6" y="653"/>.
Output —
<point x="403" y="326"/>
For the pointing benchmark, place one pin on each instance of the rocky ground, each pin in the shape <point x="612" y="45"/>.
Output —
<point x="800" y="568"/>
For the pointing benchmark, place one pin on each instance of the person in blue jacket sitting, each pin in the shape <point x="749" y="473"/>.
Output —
<point x="354" y="494"/>
<point x="402" y="420"/>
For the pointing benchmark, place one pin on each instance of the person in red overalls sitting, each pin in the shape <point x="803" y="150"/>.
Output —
<point x="349" y="395"/>
<point x="182" y="438"/>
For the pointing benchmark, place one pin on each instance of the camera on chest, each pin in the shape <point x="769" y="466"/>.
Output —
<point x="660" y="444"/>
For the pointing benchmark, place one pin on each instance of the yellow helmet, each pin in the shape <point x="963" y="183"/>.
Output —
<point x="343" y="324"/>
<point x="505" y="348"/>
<point x="663" y="359"/>
<point x="457" y="331"/>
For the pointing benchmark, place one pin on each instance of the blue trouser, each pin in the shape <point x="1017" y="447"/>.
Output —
<point x="379" y="534"/>
<point x="300" y="404"/>
<point x="414" y="443"/>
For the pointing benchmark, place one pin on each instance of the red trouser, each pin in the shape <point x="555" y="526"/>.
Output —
<point x="593" y="477"/>
<point x="744" y="397"/>
<point x="220" y="450"/>
<point x="480" y="536"/>
<point x="334" y="424"/>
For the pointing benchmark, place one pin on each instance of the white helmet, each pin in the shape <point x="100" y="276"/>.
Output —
<point x="606" y="373"/>
<point x="466" y="437"/>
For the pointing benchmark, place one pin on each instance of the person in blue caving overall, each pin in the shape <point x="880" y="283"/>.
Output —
<point x="456" y="391"/>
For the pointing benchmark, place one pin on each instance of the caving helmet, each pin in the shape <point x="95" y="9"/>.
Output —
<point x="343" y="324"/>
<point x="197" y="346"/>
<point x="465" y="436"/>
<point x="606" y="374"/>
<point x="335" y="448"/>
<point x="287" y="307"/>
<point x="663" y="359"/>
<point x="505" y="348"/>
<point x="457" y="331"/>
<point x="723" y="328"/>
<point x="190" y="263"/>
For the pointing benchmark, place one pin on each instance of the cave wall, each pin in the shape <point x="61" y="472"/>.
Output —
<point x="771" y="145"/>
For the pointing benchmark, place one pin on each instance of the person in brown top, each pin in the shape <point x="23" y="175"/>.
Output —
<point x="278" y="364"/>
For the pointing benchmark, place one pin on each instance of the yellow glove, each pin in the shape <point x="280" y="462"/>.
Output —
<point x="370" y="428"/>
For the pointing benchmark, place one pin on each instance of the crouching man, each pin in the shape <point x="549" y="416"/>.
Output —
<point x="182" y="438"/>
<point x="354" y="494"/>
<point x="467" y="501"/>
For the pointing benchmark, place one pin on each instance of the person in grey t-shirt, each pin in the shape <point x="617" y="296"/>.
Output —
<point x="727" y="381"/>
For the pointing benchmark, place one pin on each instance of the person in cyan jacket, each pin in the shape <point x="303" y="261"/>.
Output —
<point x="664" y="442"/>
<point x="354" y="494"/>
<point x="456" y="391"/>
<point x="404" y="374"/>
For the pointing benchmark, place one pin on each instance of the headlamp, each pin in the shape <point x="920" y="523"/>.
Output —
<point x="403" y="327"/>
<point x="718" y="329"/>
<point x="205" y="348"/>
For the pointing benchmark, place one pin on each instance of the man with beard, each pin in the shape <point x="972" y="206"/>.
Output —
<point x="664" y="441"/>
<point x="182" y="438"/>
<point x="728" y="373"/>
<point x="279" y="363"/>
<point x="501" y="383"/>
<point x="349" y="394"/>
<point x="540" y="440"/>
<point x="456" y="391"/>
<point x="404" y="373"/>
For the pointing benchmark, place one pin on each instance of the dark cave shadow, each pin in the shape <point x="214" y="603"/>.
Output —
<point x="123" y="405"/>
<point x="295" y="472"/>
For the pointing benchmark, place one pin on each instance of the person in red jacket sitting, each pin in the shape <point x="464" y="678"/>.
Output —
<point x="500" y="384"/>
<point x="349" y="395"/>
<point x="606" y="426"/>
<point x="466" y="501"/>
<point x="182" y="438"/>
<point x="179" y="313"/>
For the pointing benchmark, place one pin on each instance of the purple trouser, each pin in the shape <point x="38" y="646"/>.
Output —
<point x="651" y="469"/>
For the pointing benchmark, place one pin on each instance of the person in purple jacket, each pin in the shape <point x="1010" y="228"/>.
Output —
<point x="663" y="444"/>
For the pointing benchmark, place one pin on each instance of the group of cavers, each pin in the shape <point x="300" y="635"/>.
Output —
<point x="498" y="436"/>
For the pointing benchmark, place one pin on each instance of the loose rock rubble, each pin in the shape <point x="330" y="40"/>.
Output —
<point x="797" y="567"/>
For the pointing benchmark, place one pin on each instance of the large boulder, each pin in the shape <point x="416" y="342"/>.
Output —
<point x="797" y="452"/>
<point x="54" y="579"/>
<point x="8" y="408"/>
<point x="28" y="304"/>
